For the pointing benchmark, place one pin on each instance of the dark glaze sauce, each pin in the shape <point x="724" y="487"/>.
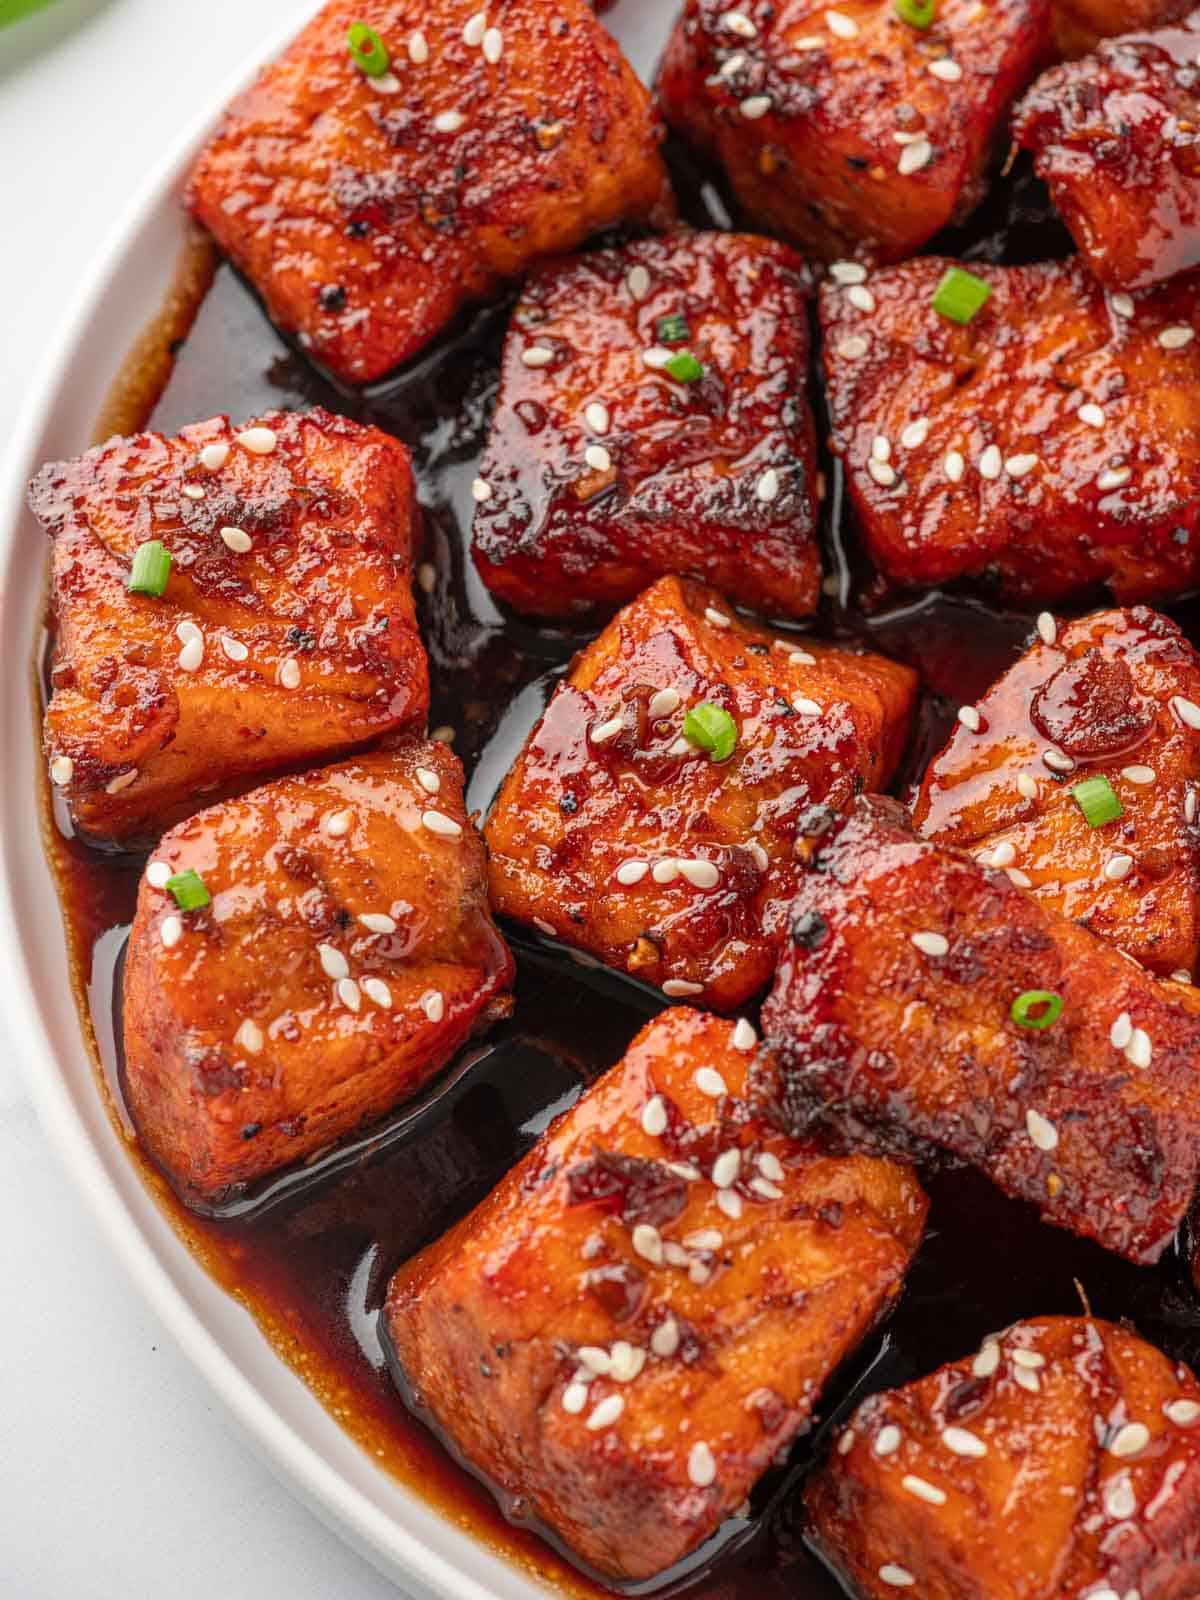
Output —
<point x="310" y="1256"/>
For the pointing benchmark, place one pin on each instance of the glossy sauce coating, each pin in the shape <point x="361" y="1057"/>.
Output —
<point x="1080" y="25"/>
<point x="603" y="471"/>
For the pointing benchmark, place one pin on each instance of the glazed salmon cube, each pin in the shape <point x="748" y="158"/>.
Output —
<point x="286" y="632"/>
<point x="619" y="835"/>
<point x="1047" y="443"/>
<point x="1108" y="697"/>
<point x="924" y="1002"/>
<point x="369" y="210"/>
<point x="629" y="1330"/>
<point x="1115" y="137"/>
<point x="344" y="952"/>
<point x="1061" y="1459"/>
<point x="604" y="469"/>
<point x="849" y="131"/>
<point x="1080" y="25"/>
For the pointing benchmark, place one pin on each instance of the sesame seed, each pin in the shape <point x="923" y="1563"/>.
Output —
<point x="709" y="1082"/>
<point x="1130" y="1440"/>
<point x="377" y="922"/>
<point x="717" y="618"/>
<point x="860" y="297"/>
<point x="767" y="487"/>
<point x="702" y="1468"/>
<point x="771" y="1167"/>
<point x="543" y="926"/>
<point x="698" y="1272"/>
<point x="191" y="656"/>
<point x="725" y="1168"/>
<point x="438" y="822"/>
<point x="337" y="824"/>
<point x="1183" y="1413"/>
<point x="375" y="989"/>
<point x="418" y="48"/>
<point x="193" y="491"/>
<point x="840" y="25"/>
<point x="887" y="1440"/>
<point x="171" y="931"/>
<point x="991" y="463"/>
<point x="915" y="434"/>
<point x="473" y="29"/>
<point x="333" y="961"/>
<point x="537" y="355"/>
<point x="249" y="1037"/>
<point x="428" y="780"/>
<point x="1041" y="1130"/>
<point x="234" y="649"/>
<point x="1092" y="414"/>
<point x="597" y="457"/>
<point x="848" y="272"/>
<point x="1176" y="337"/>
<point x="1047" y="627"/>
<point x="627" y="1361"/>
<point x="1114" y="477"/>
<point x="760" y="857"/>
<point x="1031" y="1360"/>
<point x="1122" y="304"/>
<point x="664" y="1341"/>
<point x="896" y="1576"/>
<point x="853" y="347"/>
<point x="809" y="41"/>
<point x="121" y="781"/>
<point x="1019" y="466"/>
<point x="631" y="872"/>
<point x="931" y="944"/>
<point x="947" y="70"/>
<point x="970" y="718"/>
<point x="681" y="988"/>
<point x="1119" y="1499"/>
<point x="1019" y="879"/>
<point x="1027" y="1380"/>
<point x="1121" y="1032"/>
<point x="384" y="83"/>
<point x="1139" y="1050"/>
<point x="881" y="449"/>
<point x="686" y="1170"/>
<point x="700" y="874"/>
<point x="647" y="1242"/>
<point x="443" y="734"/>
<point x="62" y="770"/>
<point x="755" y="106"/>
<point x="214" y="456"/>
<point x="1187" y="711"/>
<point x="1189" y="806"/>
<point x="665" y="871"/>
<point x="654" y="1117"/>
<point x="433" y="1004"/>
<point x="574" y="1398"/>
<point x="1139" y="774"/>
<point x="606" y="1413"/>
<point x="347" y="992"/>
<point x="1003" y="855"/>
<point x="259" y="441"/>
<point x="663" y="703"/>
<point x="914" y="156"/>
<point x="988" y="1359"/>
<point x="157" y="873"/>
<point x="656" y="357"/>
<point x="186" y="630"/>
<point x="1181" y="975"/>
<point x="1027" y="786"/>
<point x="766" y="1189"/>
<point x="597" y="418"/>
<point x="729" y="1202"/>
<point x="806" y="707"/>
<point x="637" y="281"/>
<point x="481" y="490"/>
<point x="448" y="121"/>
<point x="493" y="45"/>
<point x="954" y="465"/>
<point x="883" y="474"/>
<point x="289" y="673"/>
<point x="923" y="1490"/>
<point x="1058" y="761"/>
<point x="1118" y="867"/>
<point x="706" y="1239"/>
<point x="962" y="1442"/>
<point x="738" y="22"/>
<point x="744" y="1036"/>
<point x="595" y="1359"/>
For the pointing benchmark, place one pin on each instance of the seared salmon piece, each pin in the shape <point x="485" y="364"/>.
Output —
<point x="618" y="834"/>
<point x="652" y="418"/>
<point x="1080" y="25"/>
<point x="848" y="130"/>
<point x="1110" y="702"/>
<point x="926" y="1004"/>
<point x="285" y="633"/>
<point x="341" y="953"/>
<point x="369" y="210"/>
<point x="629" y="1330"/>
<point x="1061" y="1459"/>
<point x="1116" y="136"/>
<point x="1048" y="443"/>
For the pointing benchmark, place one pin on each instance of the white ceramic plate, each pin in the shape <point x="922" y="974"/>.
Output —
<point x="119" y="290"/>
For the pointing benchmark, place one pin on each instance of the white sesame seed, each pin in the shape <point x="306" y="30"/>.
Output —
<point x="597" y="457"/>
<point x="947" y="70"/>
<point x="848" y="272"/>
<point x="663" y="703"/>
<point x="1029" y="1381"/>
<point x="991" y="463"/>
<point x="348" y="993"/>
<point x="914" y="156"/>
<point x="234" y="649"/>
<point x="377" y="922"/>
<point x="988" y="1359"/>
<point x="860" y="297"/>
<point x="883" y="474"/>
<point x="543" y="926"/>
<point x="1047" y="627"/>
<point x="1189" y="806"/>
<point x="433" y="1005"/>
<point x="62" y="770"/>
<point x="333" y="961"/>
<point x="887" y="1440"/>
<point x="718" y="619"/>
<point x="1019" y="879"/>
<point x="896" y="1576"/>
<point x="664" y="1341"/>
<point x="214" y="456"/>
<point x="1118" y="867"/>
<point x="193" y="491"/>
<point x="574" y="1398"/>
<point x="1122" y="304"/>
<point x="605" y="1414"/>
<point x="805" y="706"/>
<point x="289" y="673"/>
<point x="418" y="48"/>
<point x="631" y="872"/>
<point x="259" y="441"/>
<point x="1092" y="414"/>
<point x="1042" y="1131"/>
<point x="627" y="1361"/>
<point x="738" y="22"/>
<point x="1031" y="1360"/>
<point x="171" y="931"/>
<point x="702" y="1468"/>
<point x="729" y="1202"/>
<point x="121" y="781"/>
<point x="881" y="449"/>
<point x="384" y="83"/>
<point x="656" y="357"/>
<point x="438" y="822"/>
<point x="1027" y="786"/>
<point x="595" y="1359"/>
<point x="647" y="1242"/>
<point x="744" y="1036"/>
<point x="931" y="944"/>
<point x="1175" y="338"/>
<point x="954" y="465"/>
<point x="1187" y="711"/>
<point x="681" y="988"/>
<point x="1114" y="478"/>
<point x="970" y="718"/>
<point x="766" y="1189"/>
<point x="853" y="347"/>
<point x="698" y="1271"/>
<point x="1139" y="774"/>
<point x="1181" y="975"/>
<point x="375" y="989"/>
<point x="962" y="1442"/>
<point x="249" y="1037"/>
<point x="337" y="824"/>
<point x="1121" y="1031"/>
<point x="443" y="734"/>
<point x="448" y="121"/>
<point x="725" y="1168"/>
<point x="767" y="487"/>
<point x="1058" y="761"/>
<point x="597" y="418"/>
<point x="637" y="281"/>
<point x="1183" y="1413"/>
<point x="1139" y="1050"/>
<point x="923" y="1490"/>
<point x="755" y="106"/>
<point x="808" y="41"/>
<point x="481" y="490"/>
<point x="537" y="355"/>
<point x="760" y="857"/>
<point x="1002" y="855"/>
<point x="700" y="874"/>
<point x="1120" y="1502"/>
<point x="840" y="25"/>
<point x="187" y="630"/>
<point x="1130" y="1440"/>
<point x="709" y="1082"/>
<point x="428" y="780"/>
<point x="665" y="871"/>
<point x="914" y="435"/>
<point x="771" y="1167"/>
<point x="654" y="1117"/>
<point x="191" y="656"/>
<point x="706" y="1239"/>
<point x="157" y="873"/>
<point x="493" y="45"/>
<point x="1020" y="465"/>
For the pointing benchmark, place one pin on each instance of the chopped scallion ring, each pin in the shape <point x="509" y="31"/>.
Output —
<point x="151" y="568"/>
<point x="712" y="729"/>
<point x="673" y="329"/>
<point x="1096" y="799"/>
<point x="189" y="890"/>
<point x="960" y="295"/>
<point x="684" y="367"/>
<point x="367" y="50"/>
<point x="917" y="13"/>
<point x="1037" y="1008"/>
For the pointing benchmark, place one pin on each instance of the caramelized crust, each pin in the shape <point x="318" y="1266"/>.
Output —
<point x="1049" y="443"/>
<point x="848" y="131"/>
<point x="715" y="477"/>
<point x="308" y="637"/>
<point x="347" y="953"/>
<point x="1062" y="1459"/>
<point x="368" y="211"/>
<point x="891" y="1016"/>
<point x="1116" y="137"/>
<point x="1080" y="25"/>
<point x="617" y="835"/>
<point x="1108" y="693"/>
<point x="624" y="1344"/>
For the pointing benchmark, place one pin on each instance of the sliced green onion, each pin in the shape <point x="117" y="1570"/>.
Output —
<point x="683" y="367"/>
<point x="673" y="329"/>
<point x="917" y="13"/>
<point x="1096" y="799"/>
<point x="1037" y="1008"/>
<point x="368" y="50"/>
<point x="151" y="568"/>
<point x="712" y="729"/>
<point x="189" y="890"/>
<point x="960" y="295"/>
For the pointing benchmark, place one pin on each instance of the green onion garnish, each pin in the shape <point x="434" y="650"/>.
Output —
<point x="683" y="367"/>
<point x="960" y="295"/>
<point x="1096" y="799"/>
<point x="673" y="329"/>
<point x="368" y="50"/>
<point x="189" y="890"/>
<point x="712" y="729"/>
<point x="1036" y="1008"/>
<point x="151" y="568"/>
<point x="917" y="13"/>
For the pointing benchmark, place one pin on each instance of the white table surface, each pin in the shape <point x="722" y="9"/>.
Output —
<point x="119" y="1477"/>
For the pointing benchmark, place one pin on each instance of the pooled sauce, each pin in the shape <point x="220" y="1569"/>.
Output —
<point x="310" y="1255"/>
